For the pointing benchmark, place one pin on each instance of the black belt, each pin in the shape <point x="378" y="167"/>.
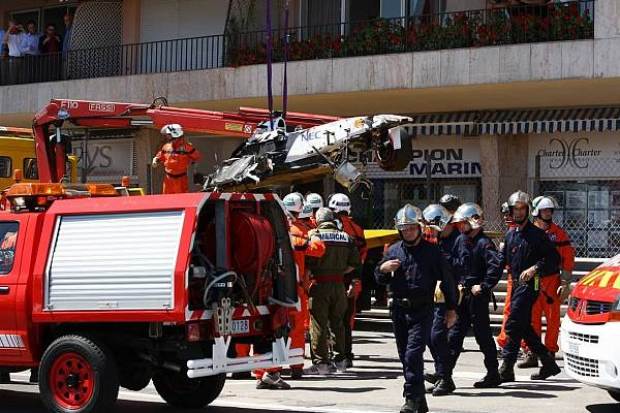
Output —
<point x="467" y="293"/>
<point x="409" y="304"/>
<point x="176" y="175"/>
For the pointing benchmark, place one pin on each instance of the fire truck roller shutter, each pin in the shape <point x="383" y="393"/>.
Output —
<point x="114" y="261"/>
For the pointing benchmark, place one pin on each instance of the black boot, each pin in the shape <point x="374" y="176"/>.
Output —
<point x="530" y="361"/>
<point x="491" y="380"/>
<point x="5" y="377"/>
<point x="34" y="375"/>
<point x="444" y="387"/>
<point x="507" y="371"/>
<point x="417" y="405"/>
<point x="242" y="375"/>
<point x="432" y="378"/>
<point x="549" y="368"/>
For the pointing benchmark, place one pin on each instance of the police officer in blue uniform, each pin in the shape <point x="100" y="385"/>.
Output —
<point x="481" y="270"/>
<point x="437" y="220"/>
<point x="411" y="268"/>
<point x="530" y="254"/>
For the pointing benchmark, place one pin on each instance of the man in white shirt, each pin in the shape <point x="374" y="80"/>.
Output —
<point x="14" y="66"/>
<point x="13" y="38"/>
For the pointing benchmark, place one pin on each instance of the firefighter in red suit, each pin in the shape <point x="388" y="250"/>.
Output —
<point x="341" y="205"/>
<point x="176" y="155"/>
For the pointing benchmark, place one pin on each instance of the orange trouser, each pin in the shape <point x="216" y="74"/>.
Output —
<point x="297" y="334"/>
<point x="243" y="350"/>
<point x="174" y="185"/>
<point x="298" y="319"/>
<point x="548" y="303"/>
<point x="502" y="338"/>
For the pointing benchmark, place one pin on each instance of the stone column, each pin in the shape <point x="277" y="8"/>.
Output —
<point x="146" y="144"/>
<point x="606" y="19"/>
<point x="503" y="160"/>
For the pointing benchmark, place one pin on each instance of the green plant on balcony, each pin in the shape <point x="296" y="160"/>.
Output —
<point x="476" y="28"/>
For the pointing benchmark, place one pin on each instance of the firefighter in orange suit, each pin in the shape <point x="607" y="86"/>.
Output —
<point x="176" y="155"/>
<point x="553" y="289"/>
<point x="341" y="205"/>
<point x="303" y="247"/>
<point x="305" y="221"/>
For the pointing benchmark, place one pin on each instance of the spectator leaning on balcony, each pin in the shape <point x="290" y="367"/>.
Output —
<point x="13" y="38"/>
<point x="66" y="42"/>
<point x="50" y="42"/>
<point x="30" y="39"/>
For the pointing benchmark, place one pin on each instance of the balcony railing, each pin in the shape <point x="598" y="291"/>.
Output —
<point x="475" y="28"/>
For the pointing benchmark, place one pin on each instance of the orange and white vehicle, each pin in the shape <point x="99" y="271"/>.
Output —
<point x="590" y="331"/>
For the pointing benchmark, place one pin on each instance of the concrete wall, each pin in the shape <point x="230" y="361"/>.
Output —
<point x="176" y="19"/>
<point x="506" y="158"/>
<point x="607" y="19"/>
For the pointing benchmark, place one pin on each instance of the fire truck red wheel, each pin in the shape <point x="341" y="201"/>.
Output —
<point x="178" y="390"/>
<point x="78" y="375"/>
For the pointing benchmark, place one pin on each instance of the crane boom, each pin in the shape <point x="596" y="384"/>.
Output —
<point x="51" y="151"/>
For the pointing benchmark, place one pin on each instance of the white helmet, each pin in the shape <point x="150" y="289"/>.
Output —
<point x="436" y="216"/>
<point x="543" y="202"/>
<point x="314" y="200"/>
<point x="471" y="213"/>
<point x="339" y="203"/>
<point x="174" y="130"/>
<point x="294" y="202"/>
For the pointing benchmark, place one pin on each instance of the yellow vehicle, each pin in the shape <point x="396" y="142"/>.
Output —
<point x="17" y="152"/>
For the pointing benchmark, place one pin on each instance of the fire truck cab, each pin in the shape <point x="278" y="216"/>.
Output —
<point x="99" y="291"/>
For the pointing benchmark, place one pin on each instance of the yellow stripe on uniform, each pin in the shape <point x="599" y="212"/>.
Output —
<point x="617" y="283"/>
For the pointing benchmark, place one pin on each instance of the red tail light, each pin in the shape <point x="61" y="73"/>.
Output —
<point x="196" y="332"/>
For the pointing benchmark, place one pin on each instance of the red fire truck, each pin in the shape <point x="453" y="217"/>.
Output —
<point x="99" y="291"/>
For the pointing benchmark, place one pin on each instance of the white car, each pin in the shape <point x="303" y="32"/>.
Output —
<point x="590" y="334"/>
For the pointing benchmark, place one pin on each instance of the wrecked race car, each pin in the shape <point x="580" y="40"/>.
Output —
<point x="282" y="154"/>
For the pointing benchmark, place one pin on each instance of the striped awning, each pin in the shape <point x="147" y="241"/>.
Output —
<point x="517" y="122"/>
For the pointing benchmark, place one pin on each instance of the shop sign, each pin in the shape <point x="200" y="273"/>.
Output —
<point x="451" y="157"/>
<point x="592" y="155"/>
<point x="106" y="157"/>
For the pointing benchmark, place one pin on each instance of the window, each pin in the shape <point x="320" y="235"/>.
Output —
<point x="44" y="16"/>
<point x="30" y="169"/>
<point x="56" y="16"/>
<point x="5" y="167"/>
<point x="24" y="16"/>
<point x="8" y="242"/>
<point x="391" y="8"/>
